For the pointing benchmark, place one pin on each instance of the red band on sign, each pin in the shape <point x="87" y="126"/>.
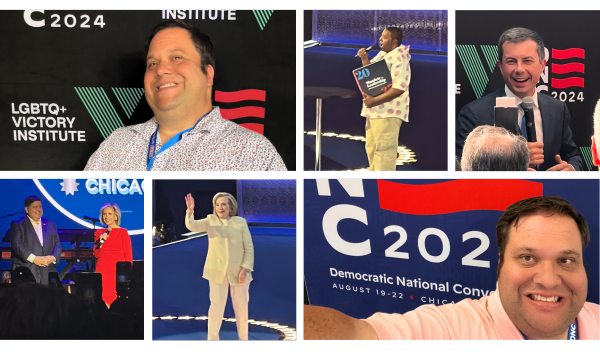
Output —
<point x="565" y="83"/>
<point x="454" y="196"/>
<point x="242" y="95"/>
<point x="568" y="53"/>
<point x="567" y="68"/>
<point x="246" y="111"/>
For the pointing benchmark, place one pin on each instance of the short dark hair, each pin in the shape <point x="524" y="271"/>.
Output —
<point x="518" y="35"/>
<point x="201" y="41"/>
<point x="396" y="34"/>
<point x="31" y="199"/>
<point x="551" y="205"/>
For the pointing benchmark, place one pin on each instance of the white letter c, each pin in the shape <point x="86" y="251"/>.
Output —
<point x="330" y="221"/>
<point x="30" y="21"/>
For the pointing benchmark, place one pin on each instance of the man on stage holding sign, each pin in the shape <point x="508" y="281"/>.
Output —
<point x="386" y="112"/>
<point x="521" y="60"/>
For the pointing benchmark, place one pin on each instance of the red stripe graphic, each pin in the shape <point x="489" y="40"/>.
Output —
<point x="568" y="53"/>
<point x="242" y="95"/>
<point x="567" y="68"/>
<point x="246" y="111"/>
<point x="565" y="83"/>
<point x="454" y="196"/>
<point x="259" y="128"/>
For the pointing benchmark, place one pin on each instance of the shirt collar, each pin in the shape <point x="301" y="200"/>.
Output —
<point x="208" y="124"/>
<point x="508" y="330"/>
<point x="519" y="100"/>
<point x="35" y="223"/>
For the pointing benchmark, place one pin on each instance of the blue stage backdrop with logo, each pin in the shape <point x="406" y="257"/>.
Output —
<point x="66" y="201"/>
<point x="394" y="245"/>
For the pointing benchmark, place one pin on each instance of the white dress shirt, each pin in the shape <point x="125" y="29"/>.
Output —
<point x="37" y="226"/>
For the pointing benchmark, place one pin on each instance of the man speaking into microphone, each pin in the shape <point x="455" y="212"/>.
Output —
<point x="521" y="61"/>
<point x="386" y="112"/>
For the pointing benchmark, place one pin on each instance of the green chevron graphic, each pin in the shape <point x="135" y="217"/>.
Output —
<point x="473" y="67"/>
<point x="101" y="109"/>
<point x="587" y="156"/>
<point x="491" y="55"/>
<point x="262" y="16"/>
<point x="128" y="98"/>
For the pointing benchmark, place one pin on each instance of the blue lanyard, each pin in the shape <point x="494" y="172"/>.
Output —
<point x="152" y="153"/>
<point x="572" y="335"/>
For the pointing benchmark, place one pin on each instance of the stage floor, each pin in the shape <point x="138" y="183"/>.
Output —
<point x="178" y="288"/>
<point x="198" y="330"/>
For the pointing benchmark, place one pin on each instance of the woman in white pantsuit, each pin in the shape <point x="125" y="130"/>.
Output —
<point x="229" y="262"/>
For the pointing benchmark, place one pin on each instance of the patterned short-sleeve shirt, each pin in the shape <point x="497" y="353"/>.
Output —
<point x="214" y="144"/>
<point x="398" y="61"/>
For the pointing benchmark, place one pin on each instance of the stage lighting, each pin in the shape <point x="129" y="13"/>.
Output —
<point x="311" y="43"/>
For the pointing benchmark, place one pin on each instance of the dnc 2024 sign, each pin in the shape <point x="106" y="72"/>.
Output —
<point x="76" y="198"/>
<point x="391" y="246"/>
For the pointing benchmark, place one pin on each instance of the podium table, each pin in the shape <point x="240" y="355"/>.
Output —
<point x="320" y="93"/>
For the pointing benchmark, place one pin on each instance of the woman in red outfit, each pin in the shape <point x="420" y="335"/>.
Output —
<point x="111" y="246"/>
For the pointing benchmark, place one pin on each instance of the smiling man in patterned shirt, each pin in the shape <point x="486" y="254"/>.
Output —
<point x="186" y="133"/>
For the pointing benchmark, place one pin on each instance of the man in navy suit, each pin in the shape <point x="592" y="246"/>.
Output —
<point x="521" y="61"/>
<point x="35" y="242"/>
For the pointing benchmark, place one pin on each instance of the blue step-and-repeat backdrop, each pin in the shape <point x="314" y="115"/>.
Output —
<point x="394" y="245"/>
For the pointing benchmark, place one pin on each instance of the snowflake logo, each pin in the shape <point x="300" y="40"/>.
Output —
<point x="69" y="186"/>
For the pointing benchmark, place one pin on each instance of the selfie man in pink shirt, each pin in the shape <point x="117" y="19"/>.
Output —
<point x="541" y="289"/>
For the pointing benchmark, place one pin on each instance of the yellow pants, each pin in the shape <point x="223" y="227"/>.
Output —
<point x="382" y="143"/>
<point x="218" y="299"/>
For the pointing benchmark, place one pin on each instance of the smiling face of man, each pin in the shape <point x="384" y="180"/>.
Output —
<point x="35" y="210"/>
<point x="521" y="67"/>
<point x="174" y="80"/>
<point x="543" y="284"/>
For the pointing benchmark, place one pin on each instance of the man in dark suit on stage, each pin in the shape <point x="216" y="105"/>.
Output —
<point x="521" y="60"/>
<point x="35" y="242"/>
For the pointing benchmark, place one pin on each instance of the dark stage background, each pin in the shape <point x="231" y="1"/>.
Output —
<point x="79" y="75"/>
<point x="477" y="34"/>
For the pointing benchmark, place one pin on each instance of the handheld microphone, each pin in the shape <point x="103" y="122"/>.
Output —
<point x="372" y="47"/>
<point x="108" y="230"/>
<point x="527" y="106"/>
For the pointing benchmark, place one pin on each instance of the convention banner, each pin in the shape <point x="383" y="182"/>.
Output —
<point x="394" y="245"/>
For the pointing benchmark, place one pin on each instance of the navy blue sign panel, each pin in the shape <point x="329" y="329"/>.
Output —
<point x="394" y="245"/>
